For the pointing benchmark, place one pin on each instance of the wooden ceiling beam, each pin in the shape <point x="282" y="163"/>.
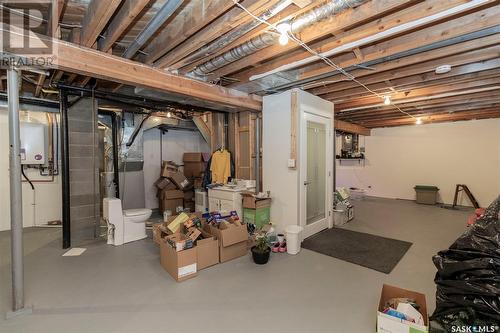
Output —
<point x="89" y="62"/>
<point x="190" y="19"/>
<point x="125" y="16"/>
<point x="409" y="83"/>
<point x="490" y="84"/>
<point x="95" y="20"/>
<point x="351" y="128"/>
<point x="480" y="20"/>
<point x="217" y="28"/>
<point x="395" y="114"/>
<point x="417" y="72"/>
<point x="467" y="115"/>
<point x="393" y="20"/>
<point x="455" y="55"/>
<point x="383" y="111"/>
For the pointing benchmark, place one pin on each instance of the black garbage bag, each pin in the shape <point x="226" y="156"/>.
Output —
<point x="468" y="276"/>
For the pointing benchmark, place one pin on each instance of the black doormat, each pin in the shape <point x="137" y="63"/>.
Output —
<point x="375" y="252"/>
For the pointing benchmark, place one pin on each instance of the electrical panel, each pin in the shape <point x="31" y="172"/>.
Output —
<point x="33" y="143"/>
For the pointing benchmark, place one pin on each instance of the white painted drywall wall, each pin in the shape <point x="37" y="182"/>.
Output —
<point x="39" y="206"/>
<point x="445" y="154"/>
<point x="174" y="145"/>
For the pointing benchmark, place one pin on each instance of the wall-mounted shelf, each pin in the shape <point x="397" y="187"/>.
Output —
<point x="352" y="159"/>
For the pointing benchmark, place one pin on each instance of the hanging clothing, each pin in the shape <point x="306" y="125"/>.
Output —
<point x="221" y="166"/>
<point x="207" y="177"/>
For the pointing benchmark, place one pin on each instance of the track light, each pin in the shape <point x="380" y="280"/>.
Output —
<point x="387" y="100"/>
<point x="419" y="121"/>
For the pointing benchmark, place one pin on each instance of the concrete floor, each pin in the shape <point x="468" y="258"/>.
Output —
<point x="124" y="289"/>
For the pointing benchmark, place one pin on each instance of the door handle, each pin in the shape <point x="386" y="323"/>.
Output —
<point x="307" y="182"/>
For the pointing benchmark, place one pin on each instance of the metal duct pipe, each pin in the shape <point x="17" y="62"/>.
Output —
<point x="156" y="22"/>
<point x="236" y="33"/>
<point x="266" y="39"/>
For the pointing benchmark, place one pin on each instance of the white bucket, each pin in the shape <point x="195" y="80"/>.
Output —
<point x="293" y="238"/>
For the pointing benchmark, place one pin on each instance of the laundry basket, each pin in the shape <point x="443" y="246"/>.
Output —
<point x="293" y="238"/>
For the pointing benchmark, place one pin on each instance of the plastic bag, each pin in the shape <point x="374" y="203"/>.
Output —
<point x="468" y="277"/>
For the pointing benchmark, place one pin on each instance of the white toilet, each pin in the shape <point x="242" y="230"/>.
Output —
<point x="124" y="226"/>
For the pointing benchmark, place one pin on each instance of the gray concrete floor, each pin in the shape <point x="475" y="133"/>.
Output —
<point x="124" y="289"/>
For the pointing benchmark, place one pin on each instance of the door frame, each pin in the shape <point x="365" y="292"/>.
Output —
<point x="309" y="112"/>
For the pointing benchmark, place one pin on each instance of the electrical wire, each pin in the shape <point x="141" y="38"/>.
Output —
<point x="27" y="179"/>
<point x="328" y="61"/>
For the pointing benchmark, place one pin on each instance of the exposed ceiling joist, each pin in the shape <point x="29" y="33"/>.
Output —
<point x="128" y="12"/>
<point x="351" y="128"/>
<point x="97" y="17"/>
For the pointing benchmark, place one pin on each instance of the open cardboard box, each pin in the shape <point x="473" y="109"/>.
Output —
<point x="207" y="249"/>
<point x="232" y="240"/>
<point x="390" y="324"/>
<point x="180" y="265"/>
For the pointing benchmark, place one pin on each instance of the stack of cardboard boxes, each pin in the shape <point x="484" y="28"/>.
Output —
<point x="194" y="167"/>
<point x="189" y="243"/>
<point x="173" y="189"/>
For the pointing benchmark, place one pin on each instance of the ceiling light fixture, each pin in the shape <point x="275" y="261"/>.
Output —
<point x="419" y="121"/>
<point x="443" y="69"/>
<point x="284" y="29"/>
<point x="169" y="114"/>
<point x="387" y="100"/>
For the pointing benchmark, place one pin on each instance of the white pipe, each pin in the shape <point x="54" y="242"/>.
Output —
<point x="376" y="37"/>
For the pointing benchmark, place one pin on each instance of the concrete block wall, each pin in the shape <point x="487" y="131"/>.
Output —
<point x="84" y="171"/>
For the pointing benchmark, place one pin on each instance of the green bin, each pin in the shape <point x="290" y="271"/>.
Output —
<point x="426" y="195"/>
<point x="259" y="216"/>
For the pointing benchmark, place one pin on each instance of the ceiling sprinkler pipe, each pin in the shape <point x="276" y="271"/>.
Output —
<point x="266" y="39"/>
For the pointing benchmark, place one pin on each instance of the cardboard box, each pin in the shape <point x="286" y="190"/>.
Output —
<point x="164" y="184"/>
<point x="179" y="241"/>
<point x="194" y="169"/>
<point x="171" y="205"/>
<point x="190" y="205"/>
<point x="207" y="250"/>
<point x="172" y="194"/>
<point x="177" y="178"/>
<point x="180" y="265"/>
<point x="198" y="182"/>
<point x="192" y="157"/>
<point x="232" y="240"/>
<point x="169" y="166"/>
<point x="390" y="324"/>
<point x="253" y="203"/>
<point x="189" y="195"/>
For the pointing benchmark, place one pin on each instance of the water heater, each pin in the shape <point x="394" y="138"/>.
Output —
<point x="33" y="143"/>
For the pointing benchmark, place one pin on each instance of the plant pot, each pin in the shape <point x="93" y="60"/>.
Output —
<point x="260" y="258"/>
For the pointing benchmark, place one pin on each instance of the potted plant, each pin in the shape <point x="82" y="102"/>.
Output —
<point x="261" y="251"/>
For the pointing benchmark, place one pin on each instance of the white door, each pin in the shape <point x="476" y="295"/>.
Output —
<point x="316" y="173"/>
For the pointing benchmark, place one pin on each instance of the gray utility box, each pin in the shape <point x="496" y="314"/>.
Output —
<point x="426" y="195"/>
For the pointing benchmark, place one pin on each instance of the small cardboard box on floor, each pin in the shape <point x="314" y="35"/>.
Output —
<point x="185" y="264"/>
<point x="233" y="239"/>
<point x="256" y="211"/>
<point x="390" y="324"/>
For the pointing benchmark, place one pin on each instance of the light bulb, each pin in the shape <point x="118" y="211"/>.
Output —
<point x="283" y="28"/>
<point x="169" y="114"/>
<point x="283" y="39"/>
<point x="419" y="121"/>
<point x="387" y="100"/>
